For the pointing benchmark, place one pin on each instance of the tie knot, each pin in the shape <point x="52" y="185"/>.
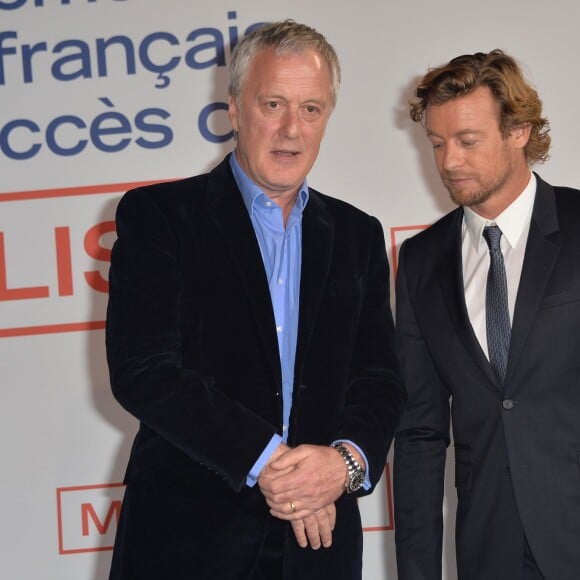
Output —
<point x="492" y="235"/>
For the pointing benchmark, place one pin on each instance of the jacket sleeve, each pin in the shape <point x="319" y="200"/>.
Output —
<point x="376" y="395"/>
<point x="144" y="350"/>
<point x="420" y="445"/>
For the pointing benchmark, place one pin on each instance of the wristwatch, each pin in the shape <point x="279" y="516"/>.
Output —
<point x="356" y="474"/>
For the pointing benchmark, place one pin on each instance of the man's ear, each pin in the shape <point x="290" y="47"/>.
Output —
<point x="521" y="134"/>
<point x="233" y="113"/>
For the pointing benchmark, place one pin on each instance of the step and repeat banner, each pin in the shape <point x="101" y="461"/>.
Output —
<point x="97" y="96"/>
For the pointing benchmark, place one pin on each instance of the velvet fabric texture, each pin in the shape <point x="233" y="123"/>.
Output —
<point x="517" y="449"/>
<point x="193" y="354"/>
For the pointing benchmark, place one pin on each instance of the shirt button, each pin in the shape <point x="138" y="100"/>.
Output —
<point x="280" y="281"/>
<point x="284" y="428"/>
<point x="278" y="329"/>
<point x="508" y="404"/>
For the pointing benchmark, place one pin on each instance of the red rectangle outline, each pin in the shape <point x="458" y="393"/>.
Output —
<point x="52" y="328"/>
<point x="59" y="491"/>
<point x="389" y="505"/>
<point x="99" y="190"/>
<point x="394" y="253"/>
<point x="54" y="193"/>
<point x="73" y="191"/>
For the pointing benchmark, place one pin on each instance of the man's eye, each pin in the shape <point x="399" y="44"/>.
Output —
<point x="468" y="144"/>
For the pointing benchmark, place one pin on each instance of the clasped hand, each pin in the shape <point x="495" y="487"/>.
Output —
<point x="301" y="485"/>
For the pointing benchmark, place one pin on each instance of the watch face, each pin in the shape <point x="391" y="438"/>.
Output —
<point x="356" y="481"/>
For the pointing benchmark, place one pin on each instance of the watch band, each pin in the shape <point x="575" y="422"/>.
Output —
<point x="356" y="474"/>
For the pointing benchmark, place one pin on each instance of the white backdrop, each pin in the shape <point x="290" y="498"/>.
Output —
<point x="96" y="95"/>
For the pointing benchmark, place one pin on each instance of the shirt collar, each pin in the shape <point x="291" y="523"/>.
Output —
<point x="254" y="196"/>
<point x="512" y="221"/>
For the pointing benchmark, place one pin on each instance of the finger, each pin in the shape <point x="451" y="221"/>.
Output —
<point x="267" y="480"/>
<point x="290" y="457"/>
<point x="292" y="511"/>
<point x="324" y="527"/>
<point x="331" y="512"/>
<point x="275" y="497"/>
<point x="302" y="505"/>
<point x="286" y="487"/>
<point x="281" y="465"/>
<point x="312" y="531"/>
<point x="300" y="533"/>
<point x="281" y="482"/>
<point x="268" y="472"/>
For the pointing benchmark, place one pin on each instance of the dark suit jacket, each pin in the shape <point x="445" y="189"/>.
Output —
<point x="517" y="450"/>
<point x="193" y="354"/>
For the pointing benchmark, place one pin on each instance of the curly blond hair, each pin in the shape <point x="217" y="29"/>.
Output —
<point x="517" y="100"/>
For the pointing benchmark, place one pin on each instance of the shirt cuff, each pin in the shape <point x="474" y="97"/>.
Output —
<point x="252" y="477"/>
<point x="367" y="482"/>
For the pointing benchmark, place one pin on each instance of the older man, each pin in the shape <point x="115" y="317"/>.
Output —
<point x="249" y="331"/>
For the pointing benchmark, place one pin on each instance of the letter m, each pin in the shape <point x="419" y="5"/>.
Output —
<point x="88" y="512"/>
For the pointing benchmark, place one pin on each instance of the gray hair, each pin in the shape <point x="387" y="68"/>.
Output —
<point x="287" y="37"/>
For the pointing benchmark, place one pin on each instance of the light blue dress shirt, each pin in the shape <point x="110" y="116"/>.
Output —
<point x="281" y="249"/>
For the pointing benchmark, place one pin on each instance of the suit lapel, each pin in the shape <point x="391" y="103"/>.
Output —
<point x="229" y="214"/>
<point x="451" y="282"/>
<point x="542" y="249"/>
<point x="317" y="244"/>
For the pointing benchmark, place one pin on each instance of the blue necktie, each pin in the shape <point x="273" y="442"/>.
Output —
<point x="496" y="305"/>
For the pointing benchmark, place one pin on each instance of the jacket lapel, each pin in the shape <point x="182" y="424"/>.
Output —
<point x="317" y="244"/>
<point x="451" y="282"/>
<point x="229" y="214"/>
<point x="542" y="249"/>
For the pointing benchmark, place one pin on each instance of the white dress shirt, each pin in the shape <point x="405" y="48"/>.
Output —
<point x="514" y="222"/>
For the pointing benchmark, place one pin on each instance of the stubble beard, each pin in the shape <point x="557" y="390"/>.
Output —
<point x="482" y="191"/>
<point x="470" y="198"/>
